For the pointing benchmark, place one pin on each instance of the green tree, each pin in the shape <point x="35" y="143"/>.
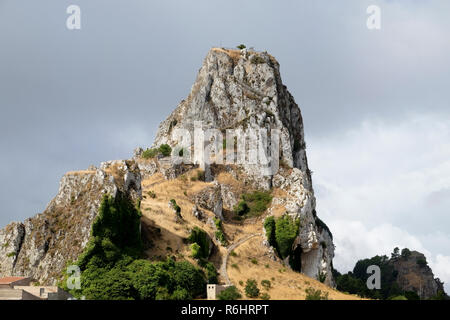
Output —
<point x="406" y="253"/>
<point x="269" y="226"/>
<point x="211" y="273"/>
<point x="286" y="230"/>
<point x="396" y="253"/>
<point x="201" y="238"/>
<point x="111" y="268"/>
<point x="165" y="150"/>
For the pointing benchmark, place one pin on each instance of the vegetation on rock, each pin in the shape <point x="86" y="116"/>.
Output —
<point x="219" y="232"/>
<point x="253" y="203"/>
<point x="199" y="243"/>
<point x="164" y="150"/>
<point x="281" y="233"/>
<point x="112" y="268"/>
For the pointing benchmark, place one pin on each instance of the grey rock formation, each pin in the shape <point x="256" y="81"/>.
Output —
<point x="41" y="246"/>
<point x="232" y="92"/>
<point x="196" y="212"/>
<point x="417" y="277"/>
<point x="165" y="166"/>
<point x="230" y="198"/>
<point x="210" y="198"/>
<point x="243" y="90"/>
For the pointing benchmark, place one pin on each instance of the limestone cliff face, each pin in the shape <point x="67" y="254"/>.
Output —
<point x="413" y="274"/>
<point x="243" y="90"/>
<point x="41" y="246"/>
<point x="239" y="90"/>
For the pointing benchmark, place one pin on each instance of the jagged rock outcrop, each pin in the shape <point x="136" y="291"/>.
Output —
<point x="234" y="92"/>
<point x="210" y="198"/>
<point x="244" y="91"/>
<point x="41" y="246"/>
<point x="163" y="165"/>
<point x="414" y="274"/>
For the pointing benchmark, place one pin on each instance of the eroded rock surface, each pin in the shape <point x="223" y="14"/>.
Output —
<point x="41" y="246"/>
<point x="244" y="91"/>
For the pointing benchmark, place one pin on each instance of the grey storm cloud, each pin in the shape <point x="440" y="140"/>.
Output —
<point x="69" y="99"/>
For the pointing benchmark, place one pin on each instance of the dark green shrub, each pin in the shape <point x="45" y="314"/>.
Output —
<point x="221" y="237"/>
<point x="211" y="273"/>
<point x="219" y="233"/>
<point x="180" y="294"/>
<point x="149" y="153"/>
<point x="312" y="294"/>
<point x="253" y="204"/>
<point x="266" y="284"/>
<point x="195" y="251"/>
<point x="199" y="237"/>
<point x="241" y="208"/>
<point x="422" y="262"/>
<point x="286" y="230"/>
<point x="165" y="150"/>
<point x="265" y="296"/>
<point x="269" y="226"/>
<point x="405" y="253"/>
<point x="176" y="207"/>
<point x="151" y="194"/>
<point x="111" y="265"/>
<point x="230" y="293"/>
<point x="251" y="289"/>
<point x="241" y="46"/>
<point x="411" y="295"/>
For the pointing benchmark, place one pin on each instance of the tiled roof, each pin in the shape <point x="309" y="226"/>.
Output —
<point x="9" y="280"/>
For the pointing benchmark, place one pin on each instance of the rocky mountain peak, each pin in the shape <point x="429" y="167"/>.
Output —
<point x="235" y="90"/>
<point x="241" y="89"/>
<point x="414" y="274"/>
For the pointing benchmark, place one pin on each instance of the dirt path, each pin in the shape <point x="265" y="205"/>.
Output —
<point x="223" y="267"/>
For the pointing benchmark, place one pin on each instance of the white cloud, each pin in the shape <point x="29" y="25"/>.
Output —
<point x="383" y="185"/>
<point x="441" y="267"/>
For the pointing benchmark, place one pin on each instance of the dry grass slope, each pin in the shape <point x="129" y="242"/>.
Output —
<point x="251" y="259"/>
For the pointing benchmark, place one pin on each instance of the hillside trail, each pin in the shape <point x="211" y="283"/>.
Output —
<point x="223" y="267"/>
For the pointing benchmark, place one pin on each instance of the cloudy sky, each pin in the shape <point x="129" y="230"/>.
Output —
<point x="375" y="103"/>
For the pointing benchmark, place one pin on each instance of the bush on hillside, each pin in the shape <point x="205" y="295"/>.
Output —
<point x="230" y="293"/>
<point x="165" y="150"/>
<point x="286" y="230"/>
<point x="251" y="289"/>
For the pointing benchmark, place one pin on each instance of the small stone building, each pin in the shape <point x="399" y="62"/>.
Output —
<point x="213" y="290"/>
<point x="20" y="288"/>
